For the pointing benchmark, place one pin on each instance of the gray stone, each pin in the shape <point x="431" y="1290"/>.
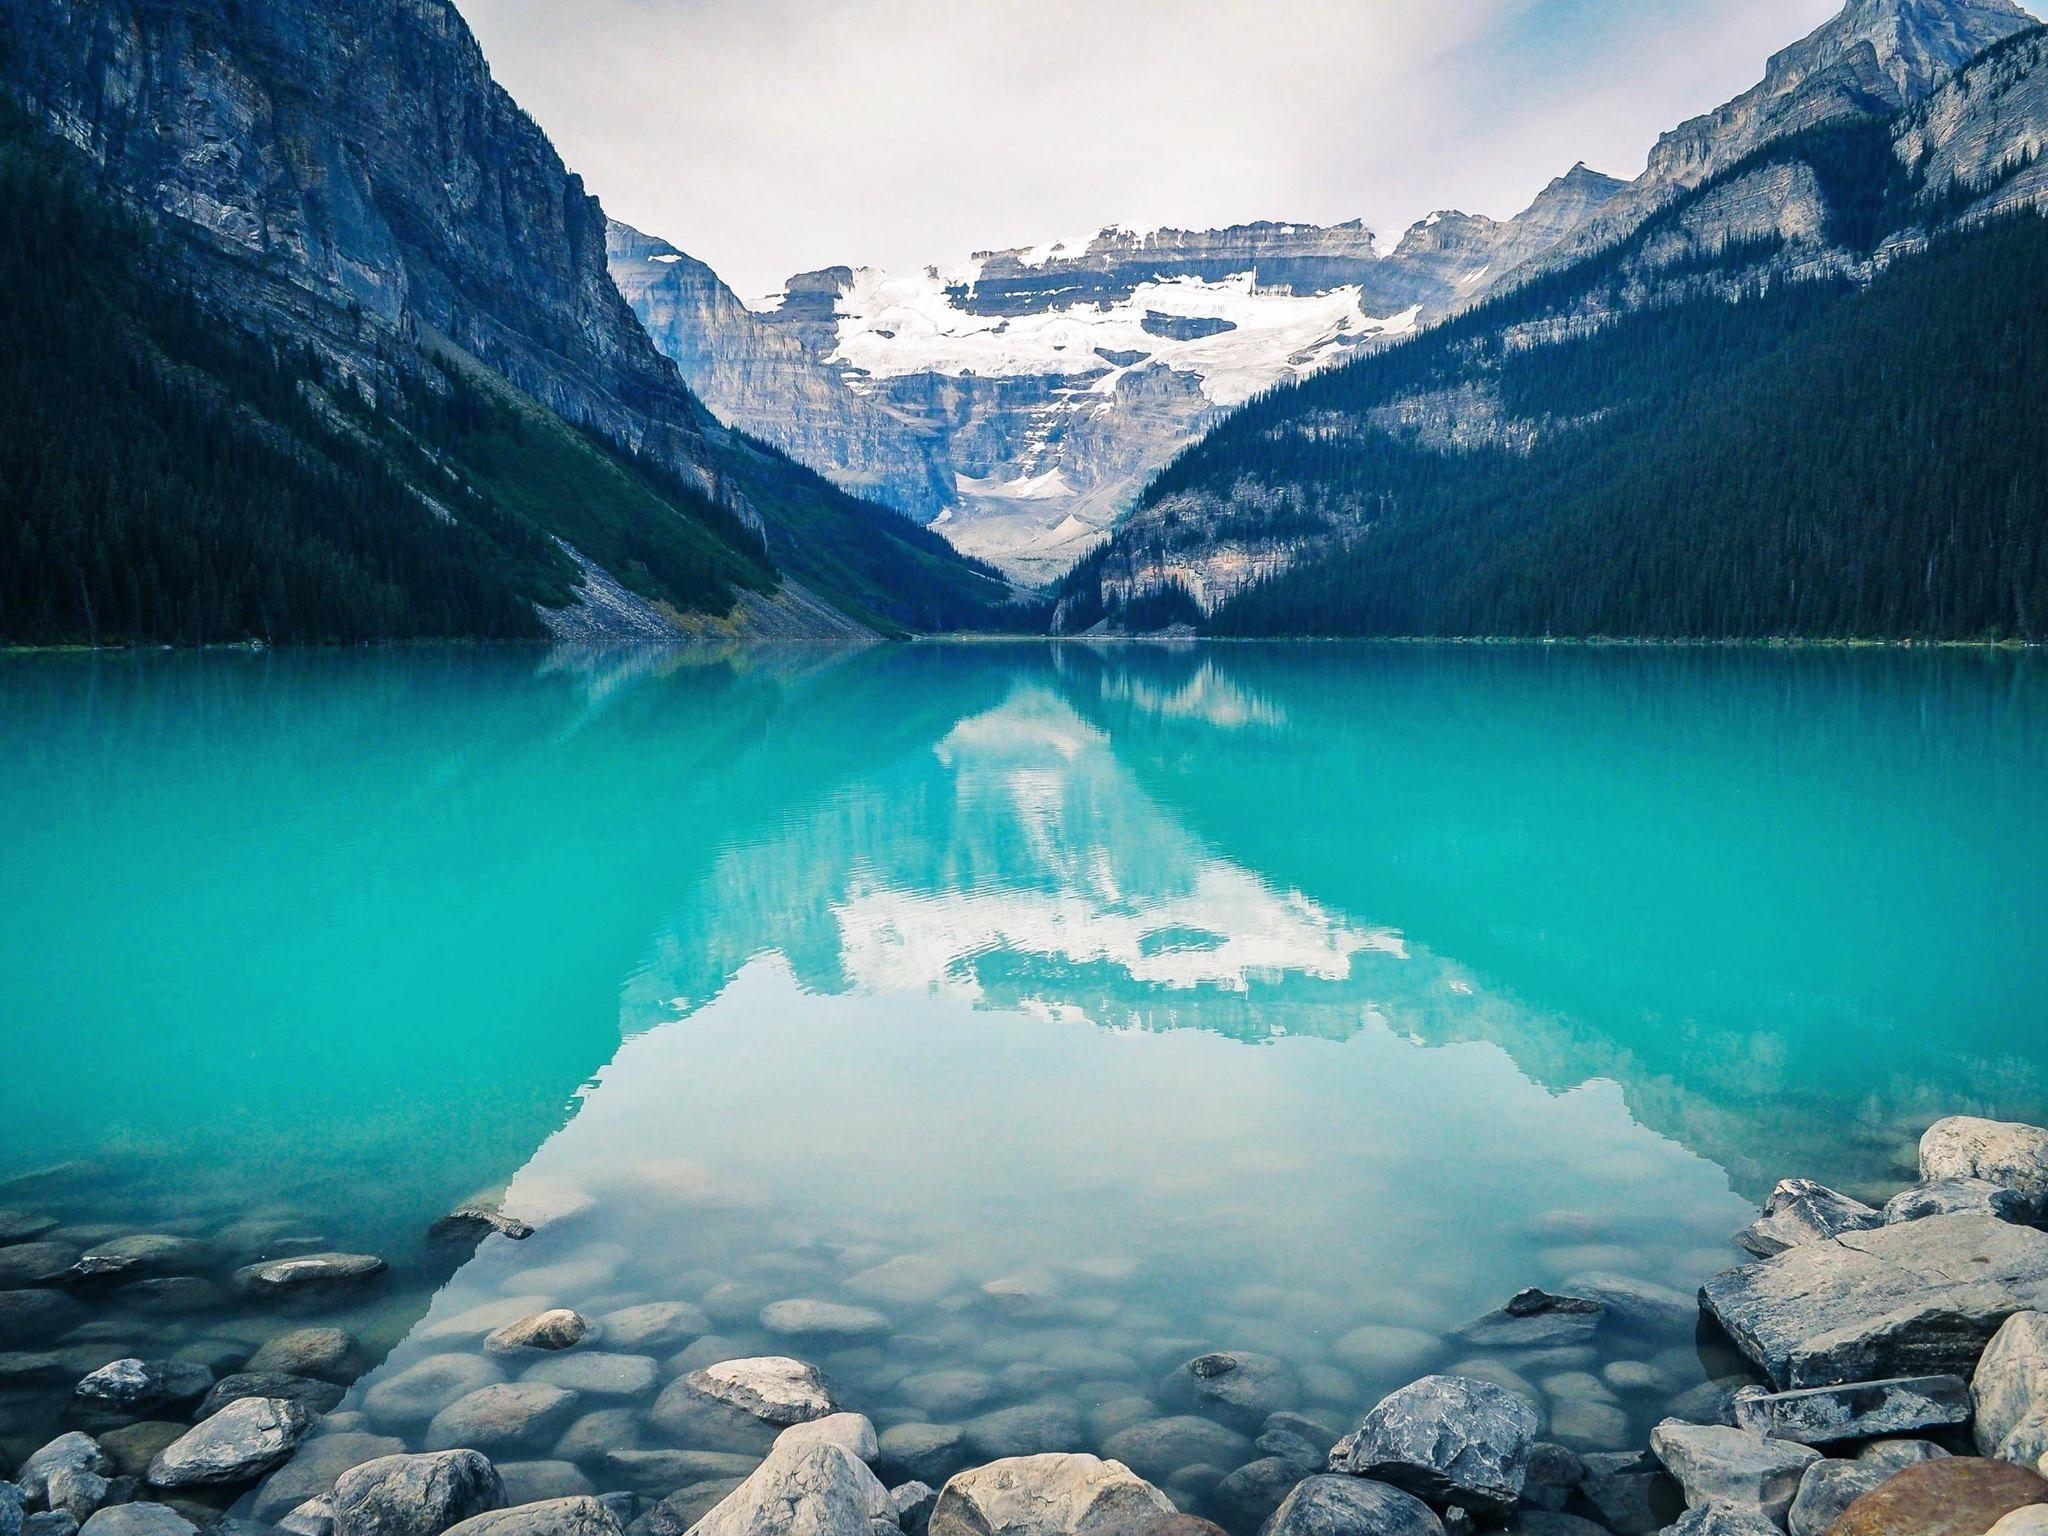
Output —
<point x="12" y="1502"/>
<point x="34" y="1317"/>
<point x="24" y="1226"/>
<point x="1722" y="1520"/>
<point x="141" y="1519"/>
<point x="321" y="1459"/>
<point x="1536" y="1319"/>
<point x="326" y="1354"/>
<point x="245" y="1439"/>
<point x="1447" y="1439"/>
<point x="594" y="1434"/>
<point x="2010" y="1392"/>
<point x="1539" y="1522"/>
<point x="1898" y="1455"/>
<point x="1630" y="1492"/>
<point x="1240" y="1388"/>
<point x="1292" y="1448"/>
<point x="2031" y="1521"/>
<point x="803" y="1319"/>
<point x="914" y="1502"/>
<point x="309" y="1275"/>
<point x="512" y="1419"/>
<point x="1828" y="1415"/>
<point x="415" y="1394"/>
<point x="655" y="1326"/>
<point x="925" y="1451"/>
<point x="315" y="1517"/>
<point x="1919" y="1299"/>
<point x="170" y="1296"/>
<point x="599" y="1375"/>
<point x="773" y="1388"/>
<point x="556" y="1328"/>
<point x="1158" y="1448"/>
<point x="853" y="1433"/>
<point x="139" y="1255"/>
<point x="660" y="1472"/>
<point x="1999" y="1152"/>
<point x="130" y="1389"/>
<point x="316" y="1397"/>
<point x="1589" y="1423"/>
<point x="1387" y="1353"/>
<point x="1717" y="1465"/>
<point x="1957" y="1197"/>
<point x="70" y="1473"/>
<point x="1246" y="1497"/>
<point x="580" y="1515"/>
<point x="1639" y="1306"/>
<point x="534" y="1482"/>
<point x="816" y="1489"/>
<point x="684" y="1416"/>
<point x="31" y="1264"/>
<point x="49" y="1522"/>
<point x="415" y="1495"/>
<point x="1827" y="1489"/>
<point x="1711" y="1402"/>
<point x="1555" y="1472"/>
<point x="473" y="1223"/>
<point x="1800" y="1211"/>
<point x="1351" y="1506"/>
<point x="909" y="1280"/>
<point x="1029" y="1429"/>
<point x="948" y="1391"/>
<point x="1046" y="1495"/>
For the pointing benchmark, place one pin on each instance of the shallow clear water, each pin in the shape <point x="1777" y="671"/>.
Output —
<point x="1236" y="998"/>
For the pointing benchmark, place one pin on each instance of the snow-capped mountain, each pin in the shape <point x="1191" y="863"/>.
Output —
<point x="1023" y="398"/>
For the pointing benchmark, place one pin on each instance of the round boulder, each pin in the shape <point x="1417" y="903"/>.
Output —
<point x="245" y="1439"/>
<point x="1447" y="1439"/>
<point x="556" y="1328"/>
<point x="1048" y="1495"/>
<point x="1352" y="1506"/>
<point x="415" y="1495"/>
<point x="1239" y="1388"/>
<point x="511" y="1419"/>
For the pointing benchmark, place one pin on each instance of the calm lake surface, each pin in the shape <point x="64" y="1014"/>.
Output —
<point x="1077" y="1011"/>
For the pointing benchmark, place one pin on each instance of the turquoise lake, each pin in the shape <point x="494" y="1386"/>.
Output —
<point x="1075" y="1010"/>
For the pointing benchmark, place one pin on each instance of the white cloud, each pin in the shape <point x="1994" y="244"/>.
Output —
<point x="772" y="136"/>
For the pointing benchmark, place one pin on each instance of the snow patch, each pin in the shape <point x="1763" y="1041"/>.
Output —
<point x="667" y="258"/>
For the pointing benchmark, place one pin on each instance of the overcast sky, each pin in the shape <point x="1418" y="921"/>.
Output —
<point x="770" y="137"/>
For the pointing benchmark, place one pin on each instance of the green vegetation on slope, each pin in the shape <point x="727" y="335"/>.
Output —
<point x="1817" y="460"/>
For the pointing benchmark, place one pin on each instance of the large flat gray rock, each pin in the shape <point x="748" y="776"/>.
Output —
<point x="1716" y="1465"/>
<point x="1860" y="1411"/>
<point x="1919" y="1299"/>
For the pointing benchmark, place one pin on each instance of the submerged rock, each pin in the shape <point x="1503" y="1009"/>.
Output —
<point x="511" y="1418"/>
<point x="1158" y="1448"/>
<point x="309" y="1274"/>
<point x="1862" y="1411"/>
<point x="133" y="1447"/>
<point x="321" y="1460"/>
<point x="424" y="1388"/>
<point x="1918" y="1299"/>
<point x="1957" y="1496"/>
<point x="1639" y="1306"/>
<point x="772" y="1388"/>
<point x="1631" y="1492"/>
<point x="327" y="1354"/>
<point x="925" y="1451"/>
<point x="654" y="1326"/>
<point x="1717" y="1465"/>
<point x="1535" y="1319"/>
<point x="474" y="1222"/>
<point x="1240" y="1388"/>
<point x="1957" y="1197"/>
<point x="1029" y="1429"/>
<point x="1047" y="1495"/>
<point x="33" y="1317"/>
<point x="598" y="1375"/>
<point x="1800" y="1211"/>
<point x="415" y="1495"/>
<point x="1999" y="1152"/>
<point x="245" y="1439"/>
<point x="1448" y="1439"/>
<point x="1351" y="1506"/>
<point x="2010" y="1392"/>
<point x="556" y="1328"/>
<point x="817" y="1489"/>
<point x="822" y="1320"/>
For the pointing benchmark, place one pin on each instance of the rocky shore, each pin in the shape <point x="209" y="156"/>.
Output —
<point x="1874" y="1370"/>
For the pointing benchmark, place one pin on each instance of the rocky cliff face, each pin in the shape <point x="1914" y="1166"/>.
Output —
<point x="349" y="177"/>
<point x="1023" y="400"/>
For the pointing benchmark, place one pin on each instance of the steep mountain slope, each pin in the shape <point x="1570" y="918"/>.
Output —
<point x="1024" y="399"/>
<point x="343" y="178"/>
<point x="1465" y="482"/>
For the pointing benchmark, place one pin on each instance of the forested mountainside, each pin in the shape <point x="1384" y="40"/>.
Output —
<point x="348" y="363"/>
<point x="1801" y="398"/>
<point x="1024" y="398"/>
